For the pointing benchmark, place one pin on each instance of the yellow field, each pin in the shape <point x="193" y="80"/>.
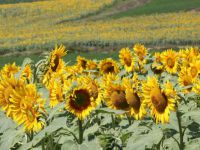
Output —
<point x="37" y="25"/>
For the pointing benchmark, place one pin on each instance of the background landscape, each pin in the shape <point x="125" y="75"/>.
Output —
<point x="31" y="27"/>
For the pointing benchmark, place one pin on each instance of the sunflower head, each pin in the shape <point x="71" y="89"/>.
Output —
<point x="9" y="70"/>
<point x="81" y="62"/>
<point x="107" y="66"/>
<point x="26" y="73"/>
<point x="126" y="59"/>
<point x="170" y="60"/>
<point x="159" y="100"/>
<point x="91" y="65"/>
<point x="80" y="98"/>
<point x="140" y="51"/>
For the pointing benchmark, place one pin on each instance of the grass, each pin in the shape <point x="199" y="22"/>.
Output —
<point x="14" y="1"/>
<point x="160" y="6"/>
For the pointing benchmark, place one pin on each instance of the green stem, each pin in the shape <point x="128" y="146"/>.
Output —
<point x="80" y="125"/>
<point x="129" y="120"/>
<point x="113" y="121"/>
<point x="181" y="143"/>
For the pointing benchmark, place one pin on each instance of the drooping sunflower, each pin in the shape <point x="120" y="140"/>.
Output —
<point x="170" y="61"/>
<point x="127" y="59"/>
<point x="56" y="64"/>
<point x="157" y="66"/>
<point x="140" y="51"/>
<point x="26" y="73"/>
<point x="26" y="104"/>
<point x="79" y="99"/>
<point x="7" y="86"/>
<point x="134" y="99"/>
<point x="107" y="66"/>
<point x="159" y="100"/>
<point x="9" y="70"/>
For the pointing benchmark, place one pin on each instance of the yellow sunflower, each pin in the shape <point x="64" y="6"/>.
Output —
<point x="126" y="59"/>
<point x="91" y="65"/>
<point x="81" y="63"/>
<point x="79" y="99"/>
<point x="194" y="68"/>
<point x="9" y="70"/>
<point x="185" y="79"/>
<point x="156" y="66"/>
<point x="134" y="99"/>
<point x="160" y="101"/>
<point x="107" y="66"/>
<point x="26" y="73"/>
<point x="56" y="93"/>
<point x="26" y="104"/>
<point x="140" y="51"/>
<point x="170" y="61"/>
<point x="7" y="86"/>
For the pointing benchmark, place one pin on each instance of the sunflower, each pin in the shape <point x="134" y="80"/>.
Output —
<point x="158" y="99"/>
<point x="56" y="93"/>
<point x="185" y="79"/>
<point x="170" y="61"/>
<point x="91" y="65"/>
<point x="56" y="64"/>
<point x="7" y="86"/>
<point x="93" y="86"/>
<point x="26" y="104"/>
<point x="81" y="63"/>
<point x="9" y="70"/>
<point x="134" y="99"/>
<point x="79" y="99"/>
<point x="188" y="55"/>
<point x="140" y="51"/>
<point x="156" y="66"/>
<point x="126" y="59"/>
<point x="26" y="73"/>
<point x="108" y="65"/>
<point x="194" y="69"/>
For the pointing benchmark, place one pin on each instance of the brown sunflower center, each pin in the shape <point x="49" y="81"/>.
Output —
<point x="56" y="63"/>
<point x="81" y="101"/>
<point x="108" y="68"/>
<point x="119" y="100"/>
<point x="170" y="62"/>
<point x="127" y="61"/>
<point x="83" y="64"/>
<point x="193" y="71"/>
<point x="133" y="100"/>
<point x="158" y="99"/>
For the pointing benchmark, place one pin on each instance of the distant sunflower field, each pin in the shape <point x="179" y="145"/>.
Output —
<point x="142" y="101"/>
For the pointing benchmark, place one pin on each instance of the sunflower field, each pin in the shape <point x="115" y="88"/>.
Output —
<point x="143" y="101"/>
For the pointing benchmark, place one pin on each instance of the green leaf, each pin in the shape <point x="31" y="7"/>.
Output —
<point x="70" y="144"/>
<point x="110" y="111"/>
<point x="56" y="110"/>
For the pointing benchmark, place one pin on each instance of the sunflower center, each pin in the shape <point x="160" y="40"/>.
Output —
<point x="127" y="61"/>
<point x="170" y="62"/>
<point x="119" y="100"/>
<point x="56" y="62"/>
<point x="81" y="100"/>
<point x="194" y="71"/>
<point x="83" y="64"/>
<point x="158" y="99"/>
<point x="133" y="100"/>
<point x="108" y="68"/>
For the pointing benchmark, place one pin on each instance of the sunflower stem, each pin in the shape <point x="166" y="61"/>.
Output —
<point x="80" y="124"/>
<point x="113" y="121"/>
<point x="181" y="143"/>
<point x="129" y="120"/>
